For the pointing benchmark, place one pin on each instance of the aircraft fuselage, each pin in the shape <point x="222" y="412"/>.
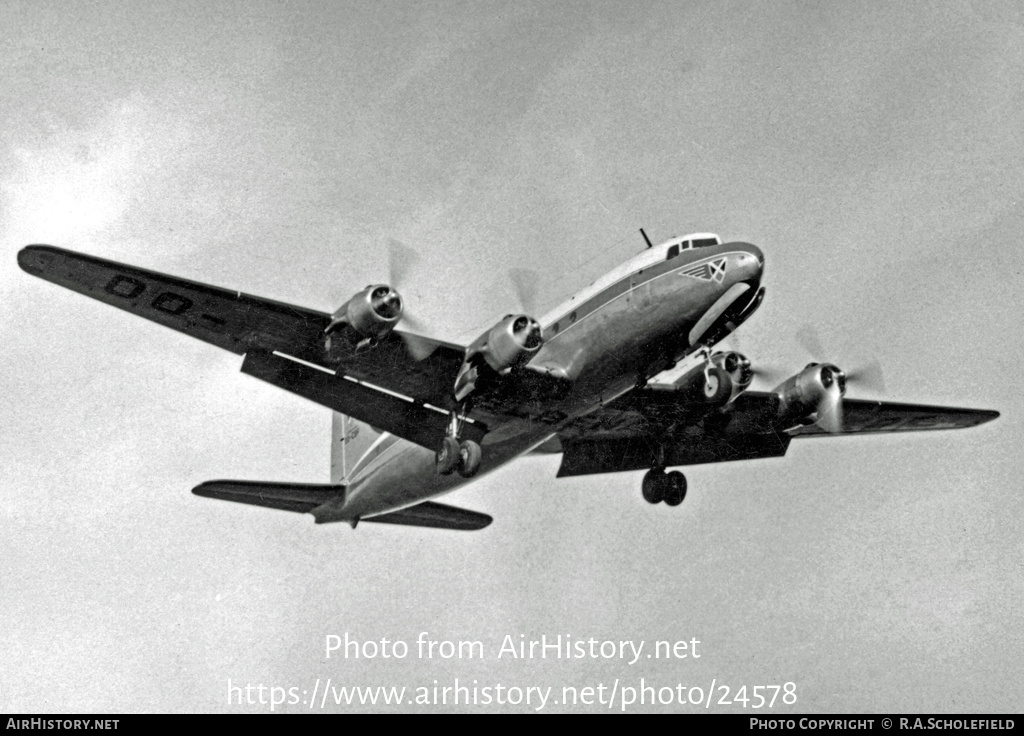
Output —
<point x="621" y="330"/>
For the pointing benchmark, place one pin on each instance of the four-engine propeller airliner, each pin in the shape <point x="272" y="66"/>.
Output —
<point x="622" y="376"/>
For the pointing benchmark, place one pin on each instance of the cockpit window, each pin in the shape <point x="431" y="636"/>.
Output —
<point x="704" y="242"/>
<point x="673" y="251"/>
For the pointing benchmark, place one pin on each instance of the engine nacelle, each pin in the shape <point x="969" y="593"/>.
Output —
<point x="509" y="344"/>
<point x="737" y="366"/>
<point x="372" y="313"/>
<point x="805" y="393"/>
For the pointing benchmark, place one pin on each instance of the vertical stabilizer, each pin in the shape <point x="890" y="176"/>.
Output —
<point x="350" y="439"/>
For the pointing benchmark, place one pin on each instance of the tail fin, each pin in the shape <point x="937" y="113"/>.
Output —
<point x="350" y="440"/>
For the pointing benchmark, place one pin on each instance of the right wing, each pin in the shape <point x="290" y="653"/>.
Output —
<point x="225" y="318"/>
<point x="277" y="338"/>
<point x="401" y="416"/>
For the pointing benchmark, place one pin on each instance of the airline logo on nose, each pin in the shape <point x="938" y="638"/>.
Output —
<point x="707" y="271"/>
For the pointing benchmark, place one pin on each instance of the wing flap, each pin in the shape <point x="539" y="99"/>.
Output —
<point x="648" y="428"/>
<point x="299" y="497"/>
<point x="586" y="457"/>
<point x="401" y="417"/>
<point x="436" y="516"/>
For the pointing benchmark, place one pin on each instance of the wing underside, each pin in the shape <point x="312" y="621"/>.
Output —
<point x="401" y="416"/>
<point x="405" y="369"/>
<point x="223" y="317"/>
<point x="651" y="428"/>
<point x="872" y="417"/>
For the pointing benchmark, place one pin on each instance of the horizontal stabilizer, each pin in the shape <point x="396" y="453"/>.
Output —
<point x="436" y="515"/>
<point x="300" y="497"/>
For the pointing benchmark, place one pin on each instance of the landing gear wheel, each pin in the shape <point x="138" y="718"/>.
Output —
<point x="448" y="456"/>
<point x="717" y="386"/>
<point x="653" y="485"/>
<point x="469" y="458"/>
<point x="675" y="488"/>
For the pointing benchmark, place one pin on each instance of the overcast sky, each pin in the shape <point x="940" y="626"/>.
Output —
<point x="874" y="151"/>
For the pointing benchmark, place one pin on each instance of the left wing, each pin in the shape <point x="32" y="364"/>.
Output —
<point x="650" y="427"/>
<point x="872" y="417"/>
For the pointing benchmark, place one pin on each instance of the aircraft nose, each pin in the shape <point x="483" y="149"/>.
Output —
<point x="751" y="263"/>
<point x="757" y="253"/>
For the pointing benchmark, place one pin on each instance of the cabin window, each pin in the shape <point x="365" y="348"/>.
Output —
<point x="554" y="329"/>
<point x="572" y="317"/>
<point x="673" y="251"/>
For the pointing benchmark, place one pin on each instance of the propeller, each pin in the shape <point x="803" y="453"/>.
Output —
<point x="768" y="372"/>
<point x="807" y="337"/>
<point x="830" y="405"/>
<point x="772" y="374"/>
<point x="401" y="260"/>
<point x="867" y="375"/>
<point x="527" y="329"/>
<point x="525" y="282"/>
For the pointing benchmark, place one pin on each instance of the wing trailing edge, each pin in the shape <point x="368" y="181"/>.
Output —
<point x="401" y="416"/>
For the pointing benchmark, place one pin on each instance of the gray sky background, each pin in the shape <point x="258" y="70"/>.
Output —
<point x="874" y="151"/>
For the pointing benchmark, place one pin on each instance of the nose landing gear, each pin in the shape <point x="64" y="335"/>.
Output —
<point x="658" y="486"/>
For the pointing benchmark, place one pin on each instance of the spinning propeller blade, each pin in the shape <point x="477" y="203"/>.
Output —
<point x="401" y="260"/>
<point x="525" y="282"/>
<point x="830" y="410"/>
<point x="867" y="375"/>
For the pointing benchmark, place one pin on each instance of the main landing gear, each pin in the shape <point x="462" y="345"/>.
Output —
<point x="660" y="486"/>
<point x="454" y="455"/>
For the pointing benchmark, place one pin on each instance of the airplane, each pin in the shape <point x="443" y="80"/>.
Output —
<point x="623" y="376"/>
